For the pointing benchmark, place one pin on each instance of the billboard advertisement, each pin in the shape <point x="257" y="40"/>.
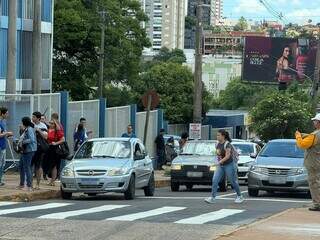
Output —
<point x="278" y="60"/>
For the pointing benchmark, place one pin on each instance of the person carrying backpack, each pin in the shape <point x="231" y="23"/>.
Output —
<point x="227" y="160"/>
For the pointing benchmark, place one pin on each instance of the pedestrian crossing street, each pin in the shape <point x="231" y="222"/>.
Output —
<point x="118" y="212"/>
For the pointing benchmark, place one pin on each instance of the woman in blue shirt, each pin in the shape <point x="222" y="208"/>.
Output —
<point x="79" y="137"/>
<point x="28" y="143"/>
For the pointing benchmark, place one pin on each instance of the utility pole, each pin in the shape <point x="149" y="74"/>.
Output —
<point x="101" y="72"/>
<point x="315" y="86"/>
<point x="12" y="48"/>
<point x="36" y="48"/>
<point x="197" y="100"/>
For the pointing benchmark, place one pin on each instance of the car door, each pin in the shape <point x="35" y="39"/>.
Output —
<point x="148" y="167"/>
<point x="138" y="164"/>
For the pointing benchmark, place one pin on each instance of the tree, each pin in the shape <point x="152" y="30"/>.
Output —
<point x="174" y="55"/>
<point x="279" y="115"/>
<point x="242" y="25"/>
<point x="174" y="84"/>
<point x="77" y="41"/>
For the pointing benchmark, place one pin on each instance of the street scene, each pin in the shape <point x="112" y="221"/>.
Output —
<point x="159" y="119"/>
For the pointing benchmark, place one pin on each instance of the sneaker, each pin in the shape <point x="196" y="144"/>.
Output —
<point x="1" y="184"/>
<point x="210" y="200"/>
<point x="239" y="199"/>
<point x="314" y="209"/>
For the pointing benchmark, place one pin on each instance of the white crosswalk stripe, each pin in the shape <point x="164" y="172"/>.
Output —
<point x="63" y="215"/>
<point x="151" y="213"/>
<point x="2" y="204"/>
<point x="210" y="217"/>
<point x="33" y="208"/>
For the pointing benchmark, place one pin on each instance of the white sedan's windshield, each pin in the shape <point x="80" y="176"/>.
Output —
<point x="199" y="148"/>
<point x="104" y="149"/>
<point x="244" y="149"/>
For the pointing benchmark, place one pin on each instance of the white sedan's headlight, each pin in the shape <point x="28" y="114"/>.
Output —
<point x="67" y="172"/>
<point x="176" y="167"/>
<point x="118" y="172"/>
<point x="213" y="168"/>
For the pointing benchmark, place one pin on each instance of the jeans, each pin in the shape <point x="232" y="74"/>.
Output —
<point x="231" y="171"/>
<point x="2" y="163"/>
<point x="25" y="169"/>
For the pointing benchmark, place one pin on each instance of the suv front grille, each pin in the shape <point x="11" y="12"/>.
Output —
<point x="85" y="186"/>
<point x="287" y="184"/>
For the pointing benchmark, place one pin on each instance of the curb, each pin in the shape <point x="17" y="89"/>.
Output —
<point x="52" y="194"/>
<point x="247" y="226"/>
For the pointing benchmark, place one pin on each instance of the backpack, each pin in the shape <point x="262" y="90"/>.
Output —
<point x="234" y="152"/>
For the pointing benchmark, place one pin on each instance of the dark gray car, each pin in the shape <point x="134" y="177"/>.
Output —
<point x="278" y="167"/>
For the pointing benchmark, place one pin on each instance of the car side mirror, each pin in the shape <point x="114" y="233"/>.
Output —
<point x="69" y="157"/>
<point x="253" y="155"/>
<point x="139" y="156"/>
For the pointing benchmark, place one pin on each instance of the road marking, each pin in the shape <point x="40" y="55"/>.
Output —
<point x="140" y="215"/>
<point x="230" y="194"/>
<point x="64" y="215"/>
<point x="33" y="208"/>
<point x="269" y="200"/>
<point x="210" y="217"/>
<point x="8" y="203"/>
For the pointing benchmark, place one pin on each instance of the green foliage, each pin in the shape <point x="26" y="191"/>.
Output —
<point x="77" y="40"/>
<point x="242" y="25"/>
<point x="119" y="96"/>
<point x="174" y="84"/>
<point x="240" y="95"/>
<point x="190" y="22"/>
<point x="175" y="55"/>
<point x="279" y="115"/>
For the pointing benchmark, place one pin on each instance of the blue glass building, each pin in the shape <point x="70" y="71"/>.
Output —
<point x="24" y="44"/>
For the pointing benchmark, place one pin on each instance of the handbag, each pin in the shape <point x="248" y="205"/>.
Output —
<point x="42" y="144"/>
<point x="62" y="150"/>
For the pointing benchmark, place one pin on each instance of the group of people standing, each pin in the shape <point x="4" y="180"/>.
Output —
<point x="37" y="146"/>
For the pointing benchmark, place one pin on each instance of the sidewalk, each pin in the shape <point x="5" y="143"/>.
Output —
<point x="293" y="224"/>
<point x="10" y="193"/>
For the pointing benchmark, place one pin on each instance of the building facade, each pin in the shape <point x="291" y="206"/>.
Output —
<point x="212" y="11"/>
<point x="165" y="27"/>
<point x="24" y="45"/>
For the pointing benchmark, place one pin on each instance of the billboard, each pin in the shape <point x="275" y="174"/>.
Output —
<point x="278" y="60"/>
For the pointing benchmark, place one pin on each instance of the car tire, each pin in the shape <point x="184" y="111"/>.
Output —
<point x="129" y="194"/>
<point x="65" y="195"/>
<point x="189" y="186"/>
<point x="175" y="186"/>
<point x="92" y="194"/>
<point x="223" y="185"/>
<point x="253" y="192"/>
<point x="149" y="190"/>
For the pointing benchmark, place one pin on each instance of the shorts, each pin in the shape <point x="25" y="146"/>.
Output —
<point x="37" y="160"/>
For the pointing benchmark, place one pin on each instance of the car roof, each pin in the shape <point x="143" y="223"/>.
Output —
<point x="243" y="143"/>
<point x="282" y="141"/>
<point x="202" y="141"/>
<point x="132" y="140"/>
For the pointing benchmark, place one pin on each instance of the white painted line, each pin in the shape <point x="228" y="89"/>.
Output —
<point x="64" y="215"/>
<point x="269" y="200"/>
<point x="8" y="203"/>
<point x="230" y="194"/>
<point x="140" y="215"/>
<point x="33" y="208"/>
<point x="210" y="217"/>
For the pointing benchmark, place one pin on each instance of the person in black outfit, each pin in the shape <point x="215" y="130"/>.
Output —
<point x="160" y="149"/>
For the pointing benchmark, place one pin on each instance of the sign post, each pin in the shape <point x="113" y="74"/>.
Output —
<point x="195" y="131"/>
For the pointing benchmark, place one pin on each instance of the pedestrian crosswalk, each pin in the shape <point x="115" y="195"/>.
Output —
<point x="114" y="212"/>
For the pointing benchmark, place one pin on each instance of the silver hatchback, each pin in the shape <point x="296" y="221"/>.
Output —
<point x="109" y="165"/>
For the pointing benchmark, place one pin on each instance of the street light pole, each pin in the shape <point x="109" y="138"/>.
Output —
<point x="197" y="100"/>
<point x="101" y="71"/>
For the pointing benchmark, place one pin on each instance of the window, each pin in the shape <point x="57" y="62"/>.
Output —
<point x="282" y="149"/>
<point x="157" y="29"/>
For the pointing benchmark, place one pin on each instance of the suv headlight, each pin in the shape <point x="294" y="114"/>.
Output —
<point x="67" y="172"/>
<point x="256" y="169"/>
<point x="300" y="171"/>
<point x="213" y="168"/>
<point x="118" y="172"/>
<point x="176" y="167"/>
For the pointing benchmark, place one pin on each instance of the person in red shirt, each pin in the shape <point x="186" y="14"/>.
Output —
<point x="55" y="138"/>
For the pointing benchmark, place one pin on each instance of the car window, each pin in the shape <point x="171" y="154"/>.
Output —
<point x="199" y="148"/>
<point x="244" y="149"/>
<point x="282" y="149"/>
<point x="104" y="149"/>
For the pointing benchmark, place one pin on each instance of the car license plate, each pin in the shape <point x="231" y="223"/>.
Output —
<point x="89" y="181"/>
<point x="277" y="180"/>
<point x="195" y="174"/>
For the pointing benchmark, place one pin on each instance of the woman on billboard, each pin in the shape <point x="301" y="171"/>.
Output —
<point x="284" y="71"/>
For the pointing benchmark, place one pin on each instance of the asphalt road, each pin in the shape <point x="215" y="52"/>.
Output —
<point x="167" y="215"/>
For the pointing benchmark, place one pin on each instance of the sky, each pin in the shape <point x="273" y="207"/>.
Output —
<point x="295" y="11"/>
